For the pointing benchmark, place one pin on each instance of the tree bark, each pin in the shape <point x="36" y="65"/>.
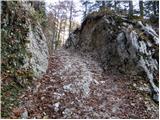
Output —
<point x="103" y="4"/>
<point x="154" y="8"/>
<point x="141" y="8"/>
<point x="157" y="4"/>
<point x="115" y="5"/>
<point x="59" y="32"/>
<point x="130" y="8"/>
<point x="53" y="40"/>
<point x="70" y="17"/>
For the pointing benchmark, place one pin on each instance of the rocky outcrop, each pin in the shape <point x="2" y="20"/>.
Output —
<point x="25" y="51"/>
<point x="38" y="48"/>
<point x="141" y="52"/>
<point x="119" y="44"/>
<point x="37" y="45"/>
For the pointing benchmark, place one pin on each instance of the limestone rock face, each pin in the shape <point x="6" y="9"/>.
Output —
<point x="37" y="46"/>
<point x="39" y="50"/>
<point x="140" y="53"/>
<point x="129" y="47"/>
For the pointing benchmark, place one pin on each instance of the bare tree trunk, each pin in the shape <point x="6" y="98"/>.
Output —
<point x="157" y="4"/>
<point x="115" y="5"/>
<point x="103" y="4"/>
<point x="130" y="8"/>
<point x="53" y="40"/>
<point x="141" y="8"/>
<point x="63" y="31"/>
<point x="70" y="17"/>
<point x="154" y="8"/>
<point x="85" y="12"/>
<point x="59" y="32"/>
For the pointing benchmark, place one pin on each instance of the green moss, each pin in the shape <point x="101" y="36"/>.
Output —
<point x="118" y="20"/>
<point x="143" y="36"/>
<point x="14" y="35"/>
<point x="9" y="98"/>
<point x="38" y="16"/>
<point x="101" y="13"/>
<point x="137" y="18"/>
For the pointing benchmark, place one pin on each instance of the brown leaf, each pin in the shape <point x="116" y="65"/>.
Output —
<point x="17" y="112"/>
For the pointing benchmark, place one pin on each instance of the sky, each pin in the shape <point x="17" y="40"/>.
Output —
<point x="79" y="6"/>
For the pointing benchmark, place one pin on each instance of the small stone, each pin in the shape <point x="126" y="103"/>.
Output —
<point x="125" y="24"/>
<point x="24" y="115"/>
<point x="96" y="81"/>
<point x="134" y="85"/>
<point x="133" y="104"/>
<point x="52" y="80"/>
<point x="44" y="113"/>
<point x="102" y="82"/>
<point x="56" y="107"/>
<point x="156" y="97"/>
<point x="42" y="98"/>
<point x="148" y="108"/>
<point x="45" y="117"/>
<point x="67" y="112"/>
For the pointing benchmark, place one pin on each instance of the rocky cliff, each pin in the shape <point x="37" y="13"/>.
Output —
<point x="39" y="50"/>
<point x="37" y="45"/>
<point x="25" y="52"/>
<point x="119" y="44"/>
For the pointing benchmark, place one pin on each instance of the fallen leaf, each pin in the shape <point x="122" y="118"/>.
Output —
<point x="17" y="111"/>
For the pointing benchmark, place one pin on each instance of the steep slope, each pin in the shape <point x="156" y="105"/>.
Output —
<point x="120" y="45"/>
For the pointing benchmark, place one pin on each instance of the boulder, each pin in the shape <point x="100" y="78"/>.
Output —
<point x="119" y="44"/>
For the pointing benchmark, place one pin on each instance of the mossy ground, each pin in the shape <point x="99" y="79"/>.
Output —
<point x="9" y="98"/>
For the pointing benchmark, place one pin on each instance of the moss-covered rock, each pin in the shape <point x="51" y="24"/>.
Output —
<point x="14" y="39"/>
<point x="24" y="52"/>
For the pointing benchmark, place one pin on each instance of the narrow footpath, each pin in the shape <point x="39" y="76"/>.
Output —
<point x="76" y="87"/>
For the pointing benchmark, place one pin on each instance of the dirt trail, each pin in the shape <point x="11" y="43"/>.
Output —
<point x="75" y="87"/>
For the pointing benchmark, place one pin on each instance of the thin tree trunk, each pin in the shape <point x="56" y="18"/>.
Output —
<point x="141" y="8"/>
<point x="130" y="8"/>
<point x="115" y="5"/>
<point x="64" y="31"/>
<point x="53" y="40"/>
<point x="70" y="17"/>
<point x="157" y="4"/>
<point x="154" y="8"/>
<point x="85" y="12"/>
<point x="59" y="32"/>
<point x="103" y="4"/>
